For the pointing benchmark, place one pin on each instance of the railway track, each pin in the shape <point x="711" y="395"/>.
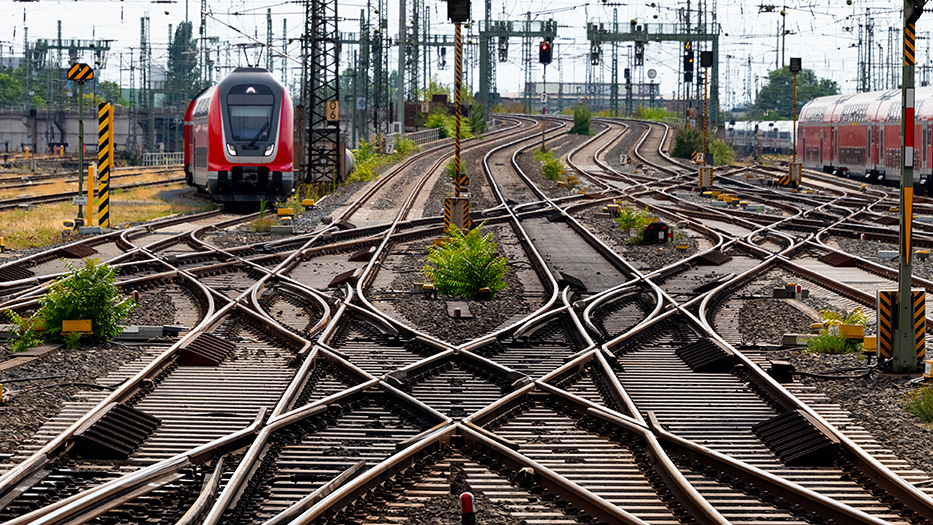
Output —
<point x="307" y="389"/>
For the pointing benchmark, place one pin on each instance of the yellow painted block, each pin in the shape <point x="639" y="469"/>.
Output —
<point x="81" y="326"/>
<point x="285" y="211"/>
<point x="682" y="246"/>
<point x="809" y="191"/>
<point x="707" y="194"/>
<point x="852" y="331"/>
<point x="895" y="209"/>
<point x="715" y="193"/>
<point x="307" y="203"/>
<point x="870" y="343"/>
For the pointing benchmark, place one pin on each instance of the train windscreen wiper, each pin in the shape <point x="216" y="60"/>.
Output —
<point x="261" y="131"/>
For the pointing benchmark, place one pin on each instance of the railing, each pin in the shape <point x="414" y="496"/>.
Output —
<point x="423" y="137"/>
<point x="163" y="159"/>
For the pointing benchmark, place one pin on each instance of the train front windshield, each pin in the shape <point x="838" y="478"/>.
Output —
<point x="250" y="114"/>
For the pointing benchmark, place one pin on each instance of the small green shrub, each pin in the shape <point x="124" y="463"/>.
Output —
<point x="499" y="108"/>
<point x="551" y="168"/>
<point x="25" y="335"/>
<point x="581" y="120"/>
<point x="834" y="318"/>
<point x="919" y="402"/>
<point x="722" y="153"/>
<point x="825" y="343"/>
<point x="831" y="344"/>
<point x="262" y="224"/>
<point x="632" y="219"/>
<point x="464" y="263"/>
<point x="687" y="141"/>
<point x="477" y="119"/>
<point x="405" y="146"/>
<point x="85" y="293"/>
<point x="636" y="240"/>
<point x="364" y="152"/>
<point x="451" y="169"/>
<point x="447" y="124"/>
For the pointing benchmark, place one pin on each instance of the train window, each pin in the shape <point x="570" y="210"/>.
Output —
<point x="250" y="109"/>
<point x="250" y="122"/>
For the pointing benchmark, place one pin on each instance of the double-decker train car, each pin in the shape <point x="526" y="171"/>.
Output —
<point x="759" y="135"/>
<point x="860" y="136"/>
<point x="239" y="139"/>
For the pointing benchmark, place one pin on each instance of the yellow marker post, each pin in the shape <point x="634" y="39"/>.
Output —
<point x="90" y="195"/>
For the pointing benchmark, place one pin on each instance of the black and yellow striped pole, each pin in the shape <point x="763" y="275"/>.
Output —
<point x="104" y="161"/>
<point x="460" y="179"/>
<point x="905" y="344"/>
<point x="457" y="208"/>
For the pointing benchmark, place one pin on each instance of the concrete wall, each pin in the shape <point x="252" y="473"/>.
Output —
<point x="15" y="129"/>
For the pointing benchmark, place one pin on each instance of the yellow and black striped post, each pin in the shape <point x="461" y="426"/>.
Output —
<point x="887" y="308"/>
<point x="920" y="321"/>
<point x="457" y="212"/>
<point x="888" y="323"/>
<point x="104" y="161"/>
<point x="461" y="178"/>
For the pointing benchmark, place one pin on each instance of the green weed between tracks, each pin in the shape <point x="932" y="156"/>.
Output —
<point x="83" y="293"/>
<point x="551" y="168"/>
<point x="828" y="343"/>
<point x="464" y="263"/>
<point x="919" y="402"/>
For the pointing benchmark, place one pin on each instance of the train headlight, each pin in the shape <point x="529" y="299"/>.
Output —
<point x="269" y="149"/>
<point x="231" y="150"/>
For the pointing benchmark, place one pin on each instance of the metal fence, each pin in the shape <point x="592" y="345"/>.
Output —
<point x="163" y="159"/>
<point x="423" y="137"/>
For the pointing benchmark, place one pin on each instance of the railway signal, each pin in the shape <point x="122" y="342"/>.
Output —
<point x="458" y="11"/>
<point x="688" y="62"/>
<point x="545" y="53"/>
<point x="80" y="73"/>
<point x="905" y="359"/>
<point x="795" y="167"/>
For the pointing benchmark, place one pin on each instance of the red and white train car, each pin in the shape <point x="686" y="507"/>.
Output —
<point x="861" y="135"/>
<point x="239" y="139"/>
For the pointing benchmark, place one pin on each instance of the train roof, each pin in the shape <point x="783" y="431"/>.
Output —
<point x="873" y="106"/>
<point x="252" y="75"/>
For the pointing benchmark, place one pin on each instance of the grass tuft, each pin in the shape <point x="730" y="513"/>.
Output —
<point x="919" y="402"/>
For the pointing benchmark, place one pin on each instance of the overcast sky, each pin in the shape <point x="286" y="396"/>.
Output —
<point x="823" y="33"/>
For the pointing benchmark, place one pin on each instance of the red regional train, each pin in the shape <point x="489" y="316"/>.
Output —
<point x="239" y="139"/>
<point x="860" y="136"/>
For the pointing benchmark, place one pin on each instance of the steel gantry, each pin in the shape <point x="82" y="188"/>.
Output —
<point x="641" y="34"/>
<point x="501" y="30"/>
<point x="324" y="155"/>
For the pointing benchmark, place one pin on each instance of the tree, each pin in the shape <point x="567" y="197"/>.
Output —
<point x="110" y="92"/>
<point x="11" y="90"/>
<point x="776" y="98"/>
<point x="182" y="82"/>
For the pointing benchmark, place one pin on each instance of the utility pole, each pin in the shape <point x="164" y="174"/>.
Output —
<point x="614" y="87"/>
<point x="269" y="39"/>
<point x="284" y="52"/>
<point x="400" y="71"/>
